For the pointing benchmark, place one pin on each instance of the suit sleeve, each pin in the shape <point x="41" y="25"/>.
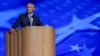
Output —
<point x="39" y="22"/>
<point x="18" y="21"/>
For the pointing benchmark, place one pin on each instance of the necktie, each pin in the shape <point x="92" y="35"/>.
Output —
<point x="31" y="20"/>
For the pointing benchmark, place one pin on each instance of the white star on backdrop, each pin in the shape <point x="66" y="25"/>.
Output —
<point x="75" y="48"/>
<point x="77" y="24"/>
<point x="86" y="51"/>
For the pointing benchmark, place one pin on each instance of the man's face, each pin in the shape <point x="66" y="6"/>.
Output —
<point x="30" y="8"/>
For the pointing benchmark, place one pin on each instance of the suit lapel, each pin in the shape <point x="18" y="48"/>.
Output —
<point x="27" y="19"/>
<point x="34" y="21"/>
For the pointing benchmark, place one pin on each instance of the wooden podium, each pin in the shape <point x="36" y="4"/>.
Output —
<point x="31" y="41"/>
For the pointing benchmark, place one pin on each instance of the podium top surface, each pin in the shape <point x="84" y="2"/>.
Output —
<point x="35" y="27"/>
<point x="31" y="27"/>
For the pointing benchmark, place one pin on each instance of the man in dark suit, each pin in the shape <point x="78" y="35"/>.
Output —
<point x="28" y="19"/>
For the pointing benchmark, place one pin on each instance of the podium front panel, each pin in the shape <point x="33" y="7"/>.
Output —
<point x="31" y="41"/>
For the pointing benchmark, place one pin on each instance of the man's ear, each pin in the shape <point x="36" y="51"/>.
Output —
<point x="34" y="9"/>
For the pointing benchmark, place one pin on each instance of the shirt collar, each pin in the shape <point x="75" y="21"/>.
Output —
<point x="30" y="14"/>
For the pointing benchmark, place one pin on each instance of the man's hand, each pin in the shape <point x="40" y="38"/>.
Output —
<point x="12" y="30"/>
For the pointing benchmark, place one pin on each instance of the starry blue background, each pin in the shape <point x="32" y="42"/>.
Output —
<point x="76" y="22"/>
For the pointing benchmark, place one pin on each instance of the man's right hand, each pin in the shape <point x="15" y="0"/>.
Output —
<point x="12" y="30"/>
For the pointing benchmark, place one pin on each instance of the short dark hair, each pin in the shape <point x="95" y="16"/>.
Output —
<point x="30" y="3"/>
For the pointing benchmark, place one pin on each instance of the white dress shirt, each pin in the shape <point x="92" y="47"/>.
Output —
<point x="30" y="18"/>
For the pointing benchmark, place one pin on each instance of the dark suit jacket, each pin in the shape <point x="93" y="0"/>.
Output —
<point x="23" y="20"/>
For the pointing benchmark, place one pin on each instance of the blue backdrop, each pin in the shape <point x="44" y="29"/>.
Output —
<point x="77" y="23"/>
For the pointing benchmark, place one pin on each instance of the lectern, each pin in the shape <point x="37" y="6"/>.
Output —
<point x="31" y="41"/>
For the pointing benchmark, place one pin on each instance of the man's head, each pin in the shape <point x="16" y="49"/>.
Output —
<point x="30" y="8"/>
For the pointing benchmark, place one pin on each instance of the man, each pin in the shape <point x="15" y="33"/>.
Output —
<point x="28" y="19"/>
